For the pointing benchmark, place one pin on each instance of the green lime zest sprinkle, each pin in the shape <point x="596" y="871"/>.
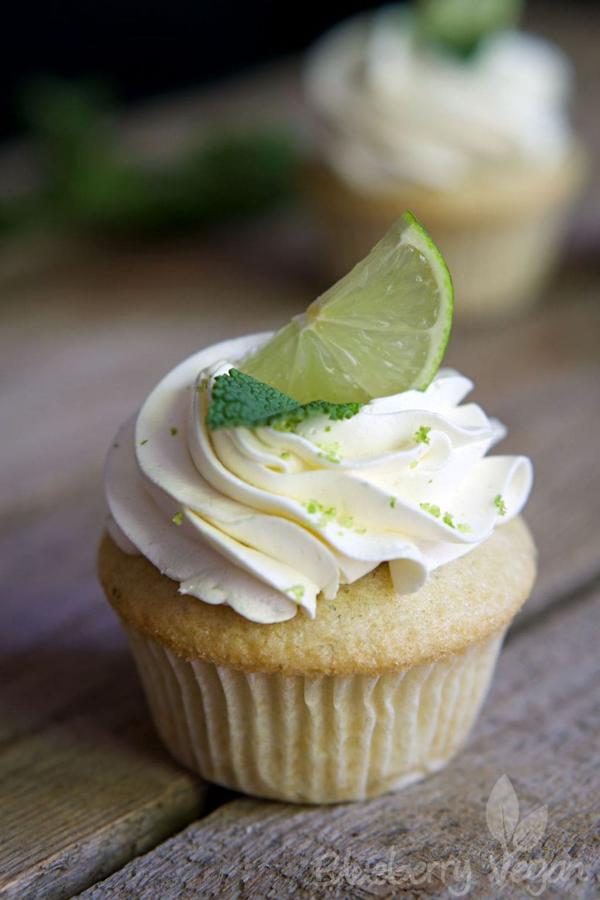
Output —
<point x="422" y="434"/>
<point x="327" y="514"/>
<point x="328" y="428"/>
<point x="500" y="504"/>
<point x="447" y="517"/>
<point x="330" y="452"/>
<point x="296" y="591"/>
<point x="285" y="454"/>
<point x="177" y="519"/>
<point x="173" y="430"/>
<point x="241" y="400"/>
<point x="393" y="501"/>
<point x="145" y="441"/>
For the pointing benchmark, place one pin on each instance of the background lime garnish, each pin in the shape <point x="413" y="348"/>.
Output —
<point x="460" y="25"/>
<point x="381" y="329"/>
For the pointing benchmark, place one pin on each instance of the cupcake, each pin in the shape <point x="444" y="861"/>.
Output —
<point x="315" y="580"/>
<point x="473" y="136"/>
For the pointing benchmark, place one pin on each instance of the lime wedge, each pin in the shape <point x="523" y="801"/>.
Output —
<point x="382" y="329"/>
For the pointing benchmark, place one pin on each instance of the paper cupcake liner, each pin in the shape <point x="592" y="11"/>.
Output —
<point x="313" y="739"/>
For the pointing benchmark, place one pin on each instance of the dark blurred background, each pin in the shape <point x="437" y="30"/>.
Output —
<point x="148" y="48"/>
<point x="144" y="49"/>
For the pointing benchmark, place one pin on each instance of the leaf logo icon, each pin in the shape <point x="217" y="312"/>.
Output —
<point x="502" y="811"/>
<point x="530" y="830"/>
<point x="502" y="817"/>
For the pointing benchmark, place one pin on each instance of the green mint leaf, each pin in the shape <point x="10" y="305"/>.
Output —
<point x="240" y="400"/>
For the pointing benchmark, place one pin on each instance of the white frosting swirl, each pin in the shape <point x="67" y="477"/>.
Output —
<point x="393" y="109"/>
<point x="265" y="520"/>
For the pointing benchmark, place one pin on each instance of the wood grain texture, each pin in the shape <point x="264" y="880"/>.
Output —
<point x="80" y="350"/>
<point x="430" y="839"/>
<point x="85" y="331"/>
<point x="84" y="782"/>
<point x="89" y="791"/>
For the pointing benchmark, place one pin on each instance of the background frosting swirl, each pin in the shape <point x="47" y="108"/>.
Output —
<point x="393" y="109"/>
<point x="266" y="520"/>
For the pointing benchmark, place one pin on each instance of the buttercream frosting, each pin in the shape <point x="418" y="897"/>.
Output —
<point x="267" y="520"/>
<point x="392" y="108"/>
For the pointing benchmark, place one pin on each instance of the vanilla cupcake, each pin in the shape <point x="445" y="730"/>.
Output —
<point x="315" y="611"/>
<point x="480" y="148"/>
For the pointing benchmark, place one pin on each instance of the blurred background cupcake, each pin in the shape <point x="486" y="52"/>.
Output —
<point x="445" y="108"/>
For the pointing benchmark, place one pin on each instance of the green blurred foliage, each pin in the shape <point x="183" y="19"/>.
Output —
<point x="90" y="184"/>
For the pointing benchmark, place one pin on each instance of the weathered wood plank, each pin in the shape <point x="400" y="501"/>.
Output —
<point x="84" y="782"/>
<point x="96" y="372"/>
<point x="88" y="792"/>
<point x="430" y="839"/>
<point x="83" y="337"/>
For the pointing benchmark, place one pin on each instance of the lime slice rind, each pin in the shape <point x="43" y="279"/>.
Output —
<point x="382" y="329"/>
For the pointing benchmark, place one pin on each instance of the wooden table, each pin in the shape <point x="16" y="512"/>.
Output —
<point x="89" y="802"/>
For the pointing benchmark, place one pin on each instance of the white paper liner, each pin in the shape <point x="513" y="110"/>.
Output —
<point x="313" y="739"/>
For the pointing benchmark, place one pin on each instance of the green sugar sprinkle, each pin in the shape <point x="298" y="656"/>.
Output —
<point x="393" y="501"/>
<point x="500" y="504"/>
<point x="296" y="591"/>
<point x="284" y="454"/>
<point x="173" y="431"/>
<point x="422" y="435"/>
<point x="448" y="520"/>
<point x="240" y="400"/>
<point x="177" y="519"/>
<point x="432" y="509"/>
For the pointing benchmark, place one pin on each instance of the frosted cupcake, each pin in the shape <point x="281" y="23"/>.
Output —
<point x="474" y="137"/>
<point x="316" y="590"/>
